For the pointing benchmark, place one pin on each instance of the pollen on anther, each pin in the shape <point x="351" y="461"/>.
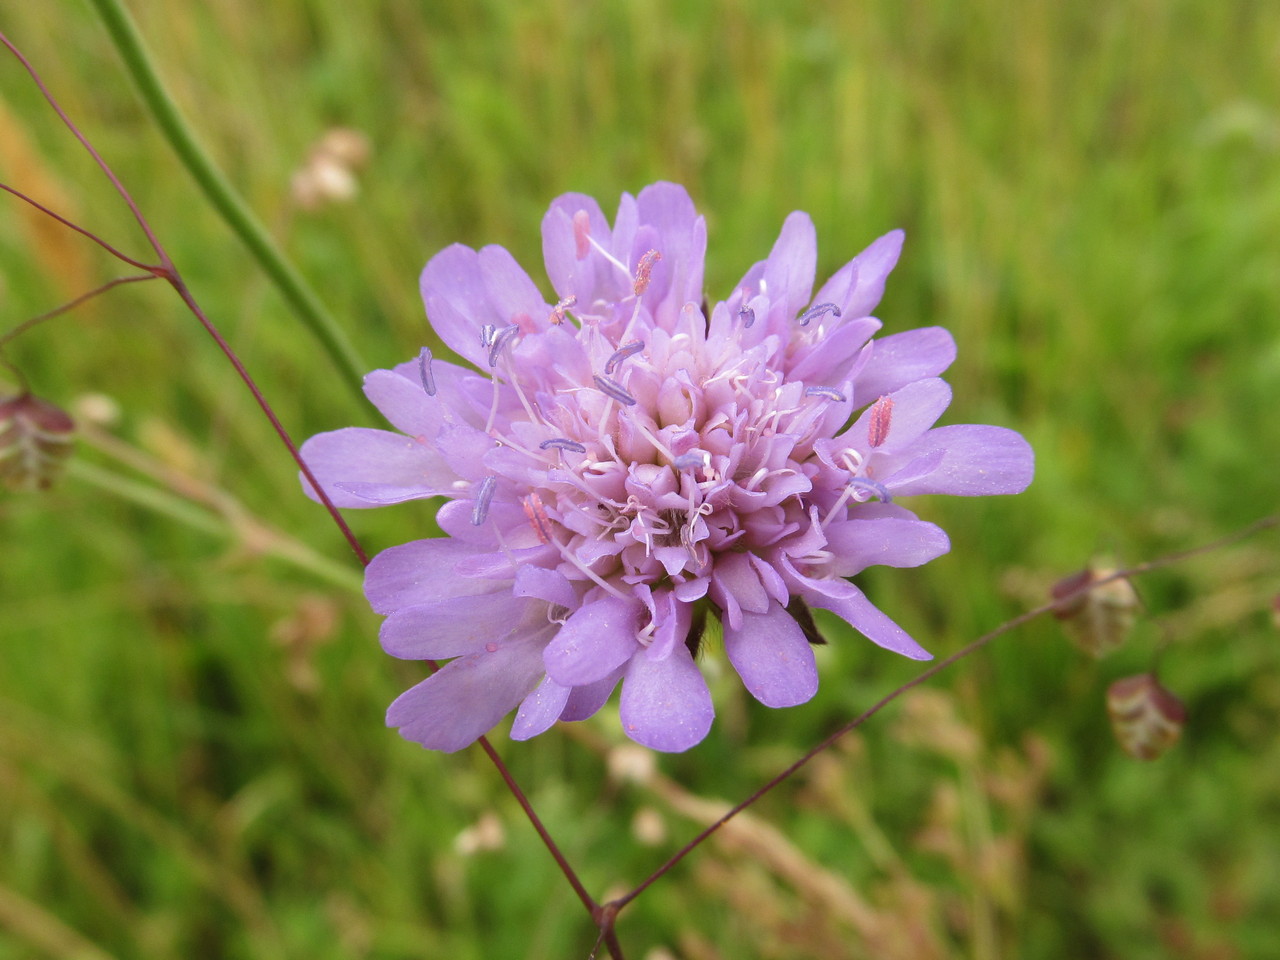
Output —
<point x="480" y="512"/>
<point x="747" y="316"/>
<point x="557" y="312"/>
<point x="538" y="518"/>
<point x="818" y="310"/>
<point x="878" y="427"/>
<point x="644" y="271"/>
<point x="581" y="234"/>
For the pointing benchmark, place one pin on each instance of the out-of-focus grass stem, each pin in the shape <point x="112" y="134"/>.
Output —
<point x="295" y="290"/>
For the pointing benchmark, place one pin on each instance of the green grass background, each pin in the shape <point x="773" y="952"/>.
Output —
<point x="192" y="756"/>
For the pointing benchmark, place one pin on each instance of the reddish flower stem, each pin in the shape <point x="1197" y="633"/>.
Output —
<point x="1023" y="618"/>
<point x="169" y="272"/>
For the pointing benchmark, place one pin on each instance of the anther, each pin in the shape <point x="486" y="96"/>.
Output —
<point x="624" y="351"/>
<point x="612" y="389"/>
<point x="487" y="333"/>
<point x="878" y="428"/>
<point x="831" y="393"/>
<point x="424" y="371"/>
<point x="481" y="510"/>
<point x="747" y="316"/>
<point x="582" y="234"/>
<point x="872" y="487"/>
<point x="562" y="443"/>
<point x="557" y="312"/>
<point x="818" y="310"/>
<point x="500" y="340"/>
<point x="644" y="271"/>
<point x="538" y="518"/>
<point x="691" y="460"/>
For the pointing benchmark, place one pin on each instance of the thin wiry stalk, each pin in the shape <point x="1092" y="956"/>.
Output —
<point x="1018" y="621"/>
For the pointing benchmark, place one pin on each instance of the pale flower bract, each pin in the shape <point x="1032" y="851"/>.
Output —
<point x="623" y="465"/>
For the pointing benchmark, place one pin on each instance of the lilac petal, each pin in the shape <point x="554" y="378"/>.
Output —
<point x="789" y="271"/>
<point x="405" y="404"/>
<point x="736" y="586"/>
<point x="509" y="289"/>
<point x="549" y="585"/>
<point x="977" y="460"/>
<point x="854" y="608"/>
<point x="456" y="706"/>
<point x="830" y="360"/>
<point x="585" y="701"/>
<point x="559" y="246"/>
<point x="665" y="703"/>
<point x="916" y="408"/>
<point x="355" y="455"/>
<point x="382" y="494"/>
<point x="773" y="658"/>
<point x="421" y="571"/>
<point x="540" y="709"/>
<point x="870" y="269"/>
<point x="453" y="627"/>
<point x="683" y="244"/>
<point x="890" y="542"/>
<point x="453" y="290"/>
<point x="671" y="621"/>
<point x="902" y="358"/>
<point x="597" y="639"/>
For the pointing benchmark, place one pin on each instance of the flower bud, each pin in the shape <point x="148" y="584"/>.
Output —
<point x="35" y="437"/>
<point x="1145" y="717"/>
<point x="1097" y="620"/>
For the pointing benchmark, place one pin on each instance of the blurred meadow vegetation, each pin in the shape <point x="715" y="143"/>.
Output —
<point x="192" y="757"/>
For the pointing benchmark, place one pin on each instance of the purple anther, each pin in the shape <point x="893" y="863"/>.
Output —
<point x="611" y="389"/>
<point x="557" y="312"/>
<point x="644" y="271"/>
<point x="871" y="486"/>
<point x="878" y="427"/>
<point x="481" y="510"/>
<point x="817" y="311"/>
<point x="486" y="334"/>
<point x="499" y="341"/>
<point x="747" y="316"/>
<point x="562" y="443"/>
<point x="424" y="371"/>
<point x="831" y="393"/>
<point x="690" y="461"/>
<point x="624" y="351"/>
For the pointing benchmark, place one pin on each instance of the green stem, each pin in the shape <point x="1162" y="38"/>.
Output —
<point x="297" y="293"/>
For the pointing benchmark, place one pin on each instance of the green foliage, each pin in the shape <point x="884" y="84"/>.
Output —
<point x="192" y="759"/>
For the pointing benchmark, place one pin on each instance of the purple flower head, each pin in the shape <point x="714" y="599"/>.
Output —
<point x="623" y="465"/>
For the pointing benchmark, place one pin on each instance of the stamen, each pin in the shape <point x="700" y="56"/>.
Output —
<point x="831" y="393"/>
<point x="486" y="334"/>
<point x="817" y="311"/>
<point x="537" y="517"/>
<point x="582" y="234"/>
<point x="557" y="312"/>
<point x="644" y="271"/>
<point x="562" y="443"/>
<point x="878" y="427"/>
<point x="481" y="510"/>
<point x="691" y="460"/>
<point x="624" y="351"/>
<point x="870" y="486"/>
<point x="612" y="389"/>
<point x="747" y="316"/>
<point x="500" y="341"/>
<point x="424" y="371"/>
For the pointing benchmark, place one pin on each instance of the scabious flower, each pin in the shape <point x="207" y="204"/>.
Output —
<point x="625" y="464"/>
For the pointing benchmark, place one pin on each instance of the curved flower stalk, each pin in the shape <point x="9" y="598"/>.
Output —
<point x="624" y="465"/>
